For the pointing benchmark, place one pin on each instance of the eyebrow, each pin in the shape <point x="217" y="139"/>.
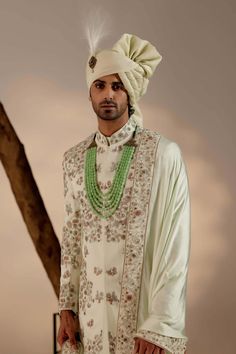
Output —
<point x="104" y="82"/>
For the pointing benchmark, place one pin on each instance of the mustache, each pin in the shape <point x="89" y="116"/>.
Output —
<point x="108" y="102"/>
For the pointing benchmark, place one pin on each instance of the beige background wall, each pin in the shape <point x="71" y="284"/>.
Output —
<point x="191" y="99"/>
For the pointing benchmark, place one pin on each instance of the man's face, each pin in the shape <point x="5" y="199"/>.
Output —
<point x="109" y="97"/>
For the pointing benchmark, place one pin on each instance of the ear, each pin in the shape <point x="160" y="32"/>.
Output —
<point x="90" y="95"/>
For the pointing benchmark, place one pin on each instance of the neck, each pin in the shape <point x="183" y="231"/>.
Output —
<point x="109" y="127"/>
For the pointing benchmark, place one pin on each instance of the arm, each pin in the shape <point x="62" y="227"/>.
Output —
<point x="165" y="323"/>
<point x="70" y="263"/>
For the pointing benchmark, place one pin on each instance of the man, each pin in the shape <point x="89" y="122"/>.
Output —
<point x="126" y="237"/>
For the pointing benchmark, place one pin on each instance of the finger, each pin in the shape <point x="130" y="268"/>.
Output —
<point x="72" y="339"/>
<point x="142" y="348"/>
<point x="59" y="340"/>
<point x="150" y="348"/>
<point x="136" y="346"/>
<point x="158" y="350"/>
<point x="61" y="337"/>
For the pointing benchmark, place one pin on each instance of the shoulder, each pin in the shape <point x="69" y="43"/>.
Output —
<point x="75" y="152"/>
<point x="170" y="158"/>
<point x="167" y="148"/>
<point x="169" y="154"/>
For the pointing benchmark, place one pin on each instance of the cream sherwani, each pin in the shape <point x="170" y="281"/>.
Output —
<point x="126" y="276"/>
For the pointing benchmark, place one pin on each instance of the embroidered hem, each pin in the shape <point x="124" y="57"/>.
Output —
<point x="170" y="344"/>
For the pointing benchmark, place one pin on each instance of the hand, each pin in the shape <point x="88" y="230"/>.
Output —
<point x="68" y="328"/>
<point x="143" y="347"/>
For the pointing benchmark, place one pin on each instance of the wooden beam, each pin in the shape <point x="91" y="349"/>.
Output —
<point x="29" y="200"/>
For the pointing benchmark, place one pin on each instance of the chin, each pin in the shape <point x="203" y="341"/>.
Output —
<point x="109" y="117"/>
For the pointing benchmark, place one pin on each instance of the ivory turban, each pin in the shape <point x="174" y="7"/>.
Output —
<point x="133" y="59"/>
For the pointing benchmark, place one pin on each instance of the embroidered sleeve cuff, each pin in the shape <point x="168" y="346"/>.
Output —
<point x="67" y="299"/>
<point x="74" y="313"/>
<point x="170" y="344"/>
<point x="60" y="309"/>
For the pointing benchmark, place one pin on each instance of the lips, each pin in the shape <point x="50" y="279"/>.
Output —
<point x="107" y="106"/>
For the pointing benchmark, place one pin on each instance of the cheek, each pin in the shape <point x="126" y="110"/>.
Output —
<point x="94" y="97"/>
<point x="123" y="97"/>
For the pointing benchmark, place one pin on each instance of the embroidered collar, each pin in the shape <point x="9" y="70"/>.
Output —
<point x="120" y="137"/>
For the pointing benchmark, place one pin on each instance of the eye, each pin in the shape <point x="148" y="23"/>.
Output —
<point x="99" y="85"/>
<point x="117" y="86"/>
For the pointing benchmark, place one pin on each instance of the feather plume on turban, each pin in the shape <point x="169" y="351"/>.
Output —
<point x="133" y="59"/>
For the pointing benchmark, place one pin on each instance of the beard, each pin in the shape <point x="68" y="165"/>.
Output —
<point x="110" y="113"/>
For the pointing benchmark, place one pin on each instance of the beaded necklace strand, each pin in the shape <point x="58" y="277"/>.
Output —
<point x="105" y="204"/>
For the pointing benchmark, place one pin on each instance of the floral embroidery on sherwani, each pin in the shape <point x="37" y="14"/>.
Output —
<point x="135" y="238"/>
<point x="112" y="297"/>
<point x="112" y="271"/>
<point x="94" y="346"/>
<point x="98" y="270"/>
<point x="170" y="344"/>
<point x="108" y="254"/>
<point x="112" y="342"/>
<point x="97" y="234"/>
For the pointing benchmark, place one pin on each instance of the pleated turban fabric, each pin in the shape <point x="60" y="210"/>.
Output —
<point x="133" y="59"/>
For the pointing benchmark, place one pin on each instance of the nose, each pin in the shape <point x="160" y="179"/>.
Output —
<point x="108" y="93"/>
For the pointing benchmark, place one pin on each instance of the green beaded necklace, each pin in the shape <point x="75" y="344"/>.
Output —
<point x="105" y="204"/>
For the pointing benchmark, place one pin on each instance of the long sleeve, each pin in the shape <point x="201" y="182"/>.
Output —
<point x="169" y="248"/>
<point x="70" y="248"/>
